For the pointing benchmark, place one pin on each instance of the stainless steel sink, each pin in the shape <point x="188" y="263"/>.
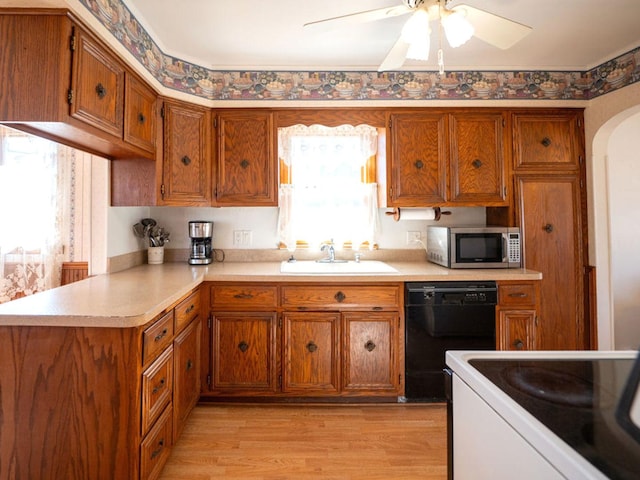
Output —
<point x="336" y="268"/>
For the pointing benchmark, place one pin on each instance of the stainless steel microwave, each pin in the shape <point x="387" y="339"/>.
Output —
<point x="474" y="247"/>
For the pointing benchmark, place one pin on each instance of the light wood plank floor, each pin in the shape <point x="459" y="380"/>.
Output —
<point x="328" y="442"/>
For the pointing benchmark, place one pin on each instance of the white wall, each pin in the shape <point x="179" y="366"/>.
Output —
<point x="262" y="222"/>
<point x="602" y="116"/>
<point x="623" y="164"/>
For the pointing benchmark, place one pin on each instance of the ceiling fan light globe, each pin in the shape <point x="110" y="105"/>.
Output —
<point x="457" y="29"/>
<point x="416" y="28"/>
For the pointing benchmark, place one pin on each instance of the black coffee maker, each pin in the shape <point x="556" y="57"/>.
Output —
<point x="201" y="234"/>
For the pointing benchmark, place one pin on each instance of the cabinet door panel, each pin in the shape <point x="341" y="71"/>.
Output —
<point x="246" y="166"/>
<point x="548" y="141"/>
<point x="417" y="171"/>
<point x="186" y="391"/>
<point x="477" y="159"/>
<point x="98" y="87"/>
<point x="311" y="353"/>
<point x="516" y="330"/>
<point x="187" y="166"/>
<point x="140" y="115"/>
<point x="550" y="219"/>
<point x="370" y="359"/>
<point x="244" y="352"/>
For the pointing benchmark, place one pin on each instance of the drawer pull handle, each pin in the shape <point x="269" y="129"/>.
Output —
<point x="101" y="91"/>
<point x="518" y="295"/>
<point x="369" y="346"/>
<point x="243" y="346"/>
<point x="190" y="309"/>
<point x="546" y="141"/>
<point x="160" y="386"/>
<point x="377" y="308"/>
<point x="243" y="296"/>
<point x="477" y="163"/>
<point x="189" y="364"/>
<point x="161" y="335"/>
<point x="519" y="344"/>
<point x="312" y="347"/>
<point x="158" y="450"/>
<point x="340" y="297"/>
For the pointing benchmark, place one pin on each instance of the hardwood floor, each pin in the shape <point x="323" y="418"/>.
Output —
<point x="328" y="442"/>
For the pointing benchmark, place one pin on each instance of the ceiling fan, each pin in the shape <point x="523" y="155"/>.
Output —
<point x="459" y="24"/>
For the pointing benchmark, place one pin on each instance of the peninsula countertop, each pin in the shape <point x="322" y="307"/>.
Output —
<point x="134" y="297"/>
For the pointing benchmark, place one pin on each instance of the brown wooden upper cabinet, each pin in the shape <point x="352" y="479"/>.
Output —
<point x="97" y="85"/>
<point x="186" y="163"/>
<point x="246" y="164"/>
<point x="140" y="114"/>
<point x="438" y="158"/>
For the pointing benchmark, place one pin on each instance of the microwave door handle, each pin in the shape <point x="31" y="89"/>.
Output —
<point x="505" y="245"/>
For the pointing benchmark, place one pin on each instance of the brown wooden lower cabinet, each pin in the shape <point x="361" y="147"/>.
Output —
<point x="95" y="402"/>
<point x="517" y="315"/>
<point x="305" y="340"/>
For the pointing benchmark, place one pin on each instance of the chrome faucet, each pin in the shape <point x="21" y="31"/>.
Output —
<point x="331" y="251"/>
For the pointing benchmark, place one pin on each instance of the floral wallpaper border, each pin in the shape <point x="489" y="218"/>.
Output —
<point x="196" y="80"/>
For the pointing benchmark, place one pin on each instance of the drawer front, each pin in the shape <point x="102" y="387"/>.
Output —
<point x="157" y="385"/>
<point x="517" y="294"/>
<point x="340" y="297"/>
<point x="236" y="297"/>
<point x="156" y="447"/>
<point x="186" y="311"/>
<point x="157" y="337"/>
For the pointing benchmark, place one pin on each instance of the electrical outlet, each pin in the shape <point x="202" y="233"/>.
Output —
<point x="413" y="237"/>
<point x="237" y="238"/>
<point x="247" y="238"/>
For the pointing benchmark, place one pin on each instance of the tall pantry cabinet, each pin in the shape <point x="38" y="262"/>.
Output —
<point x="550" y="208"/>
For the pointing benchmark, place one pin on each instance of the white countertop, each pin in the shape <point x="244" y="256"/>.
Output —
<point x="568" y="462"/>
<point x="135" y="296"/>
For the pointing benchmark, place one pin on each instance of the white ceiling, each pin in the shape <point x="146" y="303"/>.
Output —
<point x="268" y="34"/>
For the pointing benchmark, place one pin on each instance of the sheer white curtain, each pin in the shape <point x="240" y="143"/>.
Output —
<point x="328" y="197"/>
<point x="35" y="193"/>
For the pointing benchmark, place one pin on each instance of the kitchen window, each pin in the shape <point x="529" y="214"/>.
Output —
<point x="327" y="185"/>
<point x="40" y="208"/>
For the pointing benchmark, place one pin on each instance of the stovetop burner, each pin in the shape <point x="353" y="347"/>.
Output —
<point x="550" y="385"/>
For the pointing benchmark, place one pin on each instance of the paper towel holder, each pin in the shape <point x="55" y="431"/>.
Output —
<point x="437" y="210"/>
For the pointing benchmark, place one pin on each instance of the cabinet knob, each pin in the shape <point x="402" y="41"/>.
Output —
<point x="477" y="163"/>
<point x="518" y="344"/>
<point x="101" y="91"/>
<point x="243" y="346"/>
<point x="244" y="163"/>
<point x="419" y="164"/>
<point x="312" y="347"/>
<point x="548" y="228"/>
<point x="369" y="346"/>
<point x="189" y="364"/>
<point x="546" y="141"/>
<point x="340" y="297"/>
<point x="158" y="450"/>
<point x="186" y="160"/>
<point x="141" y="118"/>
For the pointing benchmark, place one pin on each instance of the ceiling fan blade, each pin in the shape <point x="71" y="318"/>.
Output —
<point x="494" y="29"/>
<point x="396" y="56"/>
<point x="356" y="18"/>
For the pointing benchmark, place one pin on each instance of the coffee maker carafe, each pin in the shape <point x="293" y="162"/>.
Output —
<point x="200" y="233"/>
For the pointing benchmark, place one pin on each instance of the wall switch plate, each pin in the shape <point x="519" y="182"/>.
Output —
<point x="237" y="238"/>
<point x="242" y="238"/>
<point x="413" y="237"/>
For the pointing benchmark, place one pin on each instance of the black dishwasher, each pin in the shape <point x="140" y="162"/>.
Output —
<point x="441" y="316"/>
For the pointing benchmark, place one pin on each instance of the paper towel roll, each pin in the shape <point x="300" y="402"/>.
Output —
<point x="433" y="213"/>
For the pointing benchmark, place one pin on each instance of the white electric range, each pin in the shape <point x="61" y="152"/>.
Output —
<point x="543" y="415"/>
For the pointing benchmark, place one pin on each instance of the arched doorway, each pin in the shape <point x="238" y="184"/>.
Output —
<point x="615" y="217"/>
